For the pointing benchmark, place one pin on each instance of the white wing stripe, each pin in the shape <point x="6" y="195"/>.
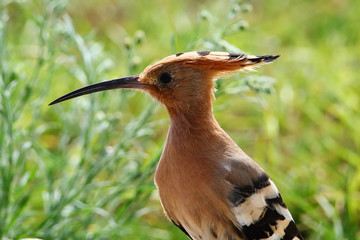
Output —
<point x="262" y="214"/>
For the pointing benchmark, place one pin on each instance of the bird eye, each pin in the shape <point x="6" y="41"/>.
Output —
<point x="165" y="77"/>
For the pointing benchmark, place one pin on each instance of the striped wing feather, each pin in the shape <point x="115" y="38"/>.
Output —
<point x="261" y="213"/>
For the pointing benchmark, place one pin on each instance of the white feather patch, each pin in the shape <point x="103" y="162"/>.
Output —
<point x="283" y="211"/>
<point x="251" y="210"/>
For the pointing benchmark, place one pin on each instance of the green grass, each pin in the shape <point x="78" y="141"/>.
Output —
<point x="83" y="169"/>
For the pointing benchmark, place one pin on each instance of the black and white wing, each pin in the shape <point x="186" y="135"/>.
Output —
<point x="259" y="210"/>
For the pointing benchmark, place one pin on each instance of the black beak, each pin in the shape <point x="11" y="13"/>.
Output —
<point x="127" y="82"/>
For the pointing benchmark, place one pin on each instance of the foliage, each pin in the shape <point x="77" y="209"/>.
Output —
<point x="83" y="169"/>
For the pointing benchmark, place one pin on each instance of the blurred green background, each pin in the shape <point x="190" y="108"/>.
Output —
<point x="84" y="169"/>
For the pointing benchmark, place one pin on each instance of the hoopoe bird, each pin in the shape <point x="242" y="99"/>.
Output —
<point x="208" y="186"/>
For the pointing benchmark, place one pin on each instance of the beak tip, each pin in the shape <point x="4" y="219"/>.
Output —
<point x="53" y="102"/>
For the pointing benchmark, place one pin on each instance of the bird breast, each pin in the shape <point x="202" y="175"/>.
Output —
<point x="191" y="180"/>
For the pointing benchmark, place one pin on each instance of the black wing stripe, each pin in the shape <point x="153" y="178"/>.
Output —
<point x="239" y="194"/>
<point x="261" y="182"/>
<point x="291" y="231"/>
<point x="262" y="228"/>
<point x="278" y="200"/>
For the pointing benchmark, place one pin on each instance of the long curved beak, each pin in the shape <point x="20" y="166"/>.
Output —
<point x="127" y="82"/>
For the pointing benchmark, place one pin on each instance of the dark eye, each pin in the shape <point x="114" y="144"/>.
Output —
<point x="165" y="77"/>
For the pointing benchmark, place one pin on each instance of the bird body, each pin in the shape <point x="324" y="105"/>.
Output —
<point x="208" y="186"/>
<point x="201" y="169"/>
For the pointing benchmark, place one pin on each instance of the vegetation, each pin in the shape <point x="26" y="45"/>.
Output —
<point x="83" y="169"/>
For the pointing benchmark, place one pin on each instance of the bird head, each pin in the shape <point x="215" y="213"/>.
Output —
<point x="181" y="82"/>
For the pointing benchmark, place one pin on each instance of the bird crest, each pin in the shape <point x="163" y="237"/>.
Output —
<point x="219" y="64"/>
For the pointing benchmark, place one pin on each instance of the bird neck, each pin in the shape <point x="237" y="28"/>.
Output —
<point x="195" y="142"/>
<point x="192" y="120"/>
<point x="194" y="132"/>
